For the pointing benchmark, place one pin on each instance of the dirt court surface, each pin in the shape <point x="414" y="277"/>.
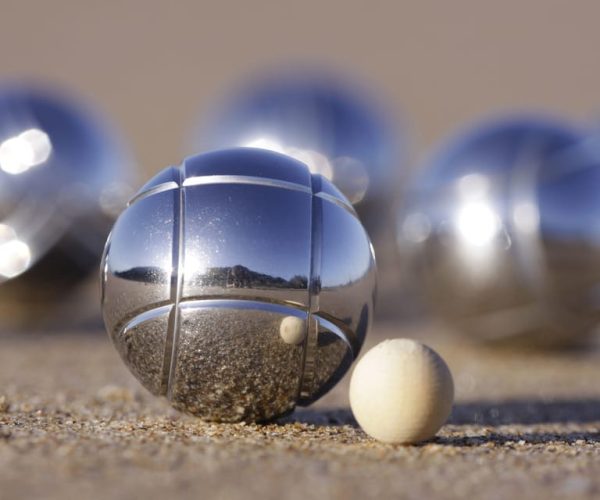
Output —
<point x="75" y="424"/>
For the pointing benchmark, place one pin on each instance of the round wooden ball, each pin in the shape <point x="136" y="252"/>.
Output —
<point x="401" y="391"/>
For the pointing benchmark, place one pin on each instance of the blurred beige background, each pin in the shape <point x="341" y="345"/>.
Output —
<point x="153" y="66"/>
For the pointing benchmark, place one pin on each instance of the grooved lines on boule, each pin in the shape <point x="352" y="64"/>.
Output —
<point x="314" y="320"/>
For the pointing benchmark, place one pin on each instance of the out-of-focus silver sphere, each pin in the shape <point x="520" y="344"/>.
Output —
<point x="334" y="127"/>
<point x="238" y="285"/>
<point x="63" y="178"/>
<point x="503" y="228"/>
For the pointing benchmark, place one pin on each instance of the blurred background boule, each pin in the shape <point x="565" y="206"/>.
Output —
<point x="64" y="176"/>
<point x="502" y="231"/>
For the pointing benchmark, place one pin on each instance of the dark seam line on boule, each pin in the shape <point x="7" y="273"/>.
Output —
<point x="338" y="202"/>
<point x="246" y="179"/>
<point x="233" y="304"/>
<point x="150" y="314"/>
<point x="242" y="298"/>
<point x="301" y="382"/>
<point x="242" y="179"/>
<point x="172" y="326"/>
<point x="338" y="327"/>
<point x="166" y="367"/>
<point x="161" y="188"/>
<point x="316" y="241"/>
<point x="104" y="270"/>
<point x="313" y="290"/>
<point x="133" y="316"/>
<point x="171" y="323"/>
<point x="268" y="182"/>
<point x="160" y="309"/>
<point x="179" y="284"/>
<point x="122" y="325"/>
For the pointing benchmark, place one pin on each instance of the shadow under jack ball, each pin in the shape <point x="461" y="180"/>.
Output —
<point x="502" y="229"/>
<point x="238" y="285"/>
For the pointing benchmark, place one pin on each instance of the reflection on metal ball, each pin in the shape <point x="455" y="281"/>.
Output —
<point x="292" y="330"/>
<point x="332" y="126"/>
<point x="503" y="230"/>
<point x="238" y="285"/>
<point x="63" y="178"/>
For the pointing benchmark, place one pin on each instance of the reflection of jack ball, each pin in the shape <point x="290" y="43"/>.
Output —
<point x="401" y="391"/>
<point x="292" y="330"/>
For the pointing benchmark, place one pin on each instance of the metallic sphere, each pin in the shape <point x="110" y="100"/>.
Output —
<point x="503" y="230"/>
<point x="63" y="178"/>
<point x="330" y="125"/>
<point x="238" y="285"/>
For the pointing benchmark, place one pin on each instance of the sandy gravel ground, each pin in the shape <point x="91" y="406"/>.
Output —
<point x="75" y="424"/>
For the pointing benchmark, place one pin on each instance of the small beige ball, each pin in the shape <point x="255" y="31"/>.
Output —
<point x="401" y="391"/>
<point x="292" y="330"/>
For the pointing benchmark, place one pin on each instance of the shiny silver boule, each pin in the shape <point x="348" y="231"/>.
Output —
<point x="238" y="285"/>
<point x="503" y="231"/>
<point x="334" y="127"/>
<point x="63" y="178"/>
